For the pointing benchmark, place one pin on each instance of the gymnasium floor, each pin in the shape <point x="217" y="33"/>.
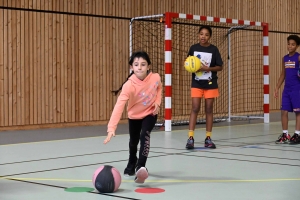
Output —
<point x="57" y="163"/>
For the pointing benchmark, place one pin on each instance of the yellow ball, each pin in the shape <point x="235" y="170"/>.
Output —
<point x="192" y="64"/>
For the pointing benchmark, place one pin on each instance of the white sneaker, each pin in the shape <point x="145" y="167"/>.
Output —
<point x="141" y="175"/>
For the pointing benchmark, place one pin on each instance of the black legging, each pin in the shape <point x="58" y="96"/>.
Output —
<point x="140" y="129"/>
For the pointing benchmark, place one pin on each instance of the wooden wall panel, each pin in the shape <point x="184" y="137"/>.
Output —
<point x="2" y="91"/>
<point x="59" y="68"/>
<point x="270" y="11"/>
<point x="10" y="68"/>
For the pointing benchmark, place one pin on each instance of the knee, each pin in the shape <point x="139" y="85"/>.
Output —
<point x="195" y="109"/>
<point x="146" y="134"/>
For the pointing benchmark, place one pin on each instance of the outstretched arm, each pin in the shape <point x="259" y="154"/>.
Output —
<point x="117" y="113"/>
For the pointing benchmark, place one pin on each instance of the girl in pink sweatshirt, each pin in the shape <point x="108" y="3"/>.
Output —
<point x="142" y="92"/>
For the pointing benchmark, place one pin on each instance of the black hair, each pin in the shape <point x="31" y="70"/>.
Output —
<point x="206" y="27"/>
<point x="296" y="38"/>
<point x="138" y="54"/>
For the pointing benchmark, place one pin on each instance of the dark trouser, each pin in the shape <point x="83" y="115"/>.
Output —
<point x="140" y="129"/>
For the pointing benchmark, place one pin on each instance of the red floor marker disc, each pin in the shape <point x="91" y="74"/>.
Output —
<point x="149" y="190"/>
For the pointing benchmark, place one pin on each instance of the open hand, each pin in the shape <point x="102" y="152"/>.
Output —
<point x="109" y="135"/>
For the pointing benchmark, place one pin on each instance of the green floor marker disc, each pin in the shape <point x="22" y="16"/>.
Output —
<point x="79" y="189"/>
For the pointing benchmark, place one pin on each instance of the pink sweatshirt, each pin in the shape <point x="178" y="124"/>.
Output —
<point x="140" y="95"/>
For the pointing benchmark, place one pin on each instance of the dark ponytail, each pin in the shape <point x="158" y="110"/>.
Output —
<point x="117" y="91"/>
